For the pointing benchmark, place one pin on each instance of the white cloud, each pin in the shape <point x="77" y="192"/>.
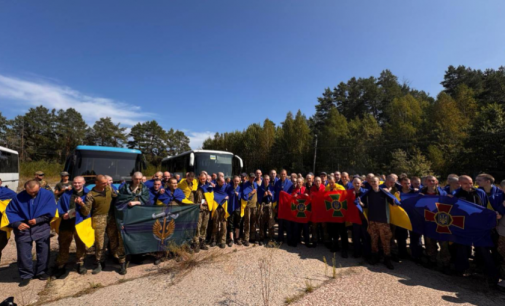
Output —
<point x="196" y="139"/>
<point x="50" y="95"/>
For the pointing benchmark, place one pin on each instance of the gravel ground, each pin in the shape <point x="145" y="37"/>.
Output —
<point x="233" y="277"/>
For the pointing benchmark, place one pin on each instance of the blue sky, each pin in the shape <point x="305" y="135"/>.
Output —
<point x="216" y="66"/>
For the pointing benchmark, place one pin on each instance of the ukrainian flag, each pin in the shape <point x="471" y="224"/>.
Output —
<point x="23" y="208"/>
<point x="83" y="225"/>
<point x="184" y="186"/>
<point x="6" y="195"/>
<point x="219" y="199"/>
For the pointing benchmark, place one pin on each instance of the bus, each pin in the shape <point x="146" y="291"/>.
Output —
<point x="90" y="161"/>
<point x="9" y="168"/>
<point x="203" y="160"/>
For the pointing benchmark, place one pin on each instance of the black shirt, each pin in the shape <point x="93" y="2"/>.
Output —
<point x="376" y="202"/>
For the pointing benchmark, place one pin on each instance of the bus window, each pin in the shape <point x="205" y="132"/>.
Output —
<point x="8" y="162"/>
<point x="214" y="163"/>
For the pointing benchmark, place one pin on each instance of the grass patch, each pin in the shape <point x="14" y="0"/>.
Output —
<point x="309" y="287"/>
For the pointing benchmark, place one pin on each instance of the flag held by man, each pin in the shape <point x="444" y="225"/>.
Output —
<point x="335" y="206"/>
<point x="296" y="208"/>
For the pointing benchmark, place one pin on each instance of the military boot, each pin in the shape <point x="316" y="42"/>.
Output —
<point x="59" y="272"/>
<point x="81" y="269"/>
<point x="203" y="246"/>
<point x="100" y="266"/>
<point x="122" y="271"/>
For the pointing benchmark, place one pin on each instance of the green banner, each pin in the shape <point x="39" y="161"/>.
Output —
<point x="153" y="228"/>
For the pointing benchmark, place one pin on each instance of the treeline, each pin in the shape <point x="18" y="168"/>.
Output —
<point x="50" y="135"/>
<point x="381" y="125"/>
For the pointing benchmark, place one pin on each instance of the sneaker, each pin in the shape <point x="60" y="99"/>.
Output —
<point x="24" y="282"/>
<point x="230" y="243"/>
<point x="81" y="269"/>
<point x="246" y="243"/>
<point x="238" y="242"/>
<point x="222" y="245"/>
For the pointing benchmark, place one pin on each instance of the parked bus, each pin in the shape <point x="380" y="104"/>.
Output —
<point x="90" y="161"/>
<point x="203" y="160"/>
<point x="9" y="168"/>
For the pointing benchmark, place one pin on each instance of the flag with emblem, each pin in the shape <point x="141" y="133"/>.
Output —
<point x="335" y="206"/>
<point x="446" y="218"/>
<point x="295" y="208"/>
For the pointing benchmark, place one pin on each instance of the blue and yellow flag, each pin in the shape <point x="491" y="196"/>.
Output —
<point x="6" y="195"/>
<point x="446" y="218"/>
<point x="219" y="199"/>
<point x="83" y="225"/>
<point x="184" y="186"/>
<point x="23" y="208"/>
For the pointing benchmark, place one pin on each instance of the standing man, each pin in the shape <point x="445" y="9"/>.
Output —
<point x="63" y="186"/>
<point x="273" y="177"/>
<point x="378" y="221"/>
<point x="98" y="204"/>
<point x="30" y="214"/>
<point x="338" y="177"/>
<point x="287" y="186"/>
<point x="219" y="215"/>
<point x="234" y="209"/>
<point x="39" y="177"/>
<point x="416" y="245"/>
<point x="204" y="216"/>
<point x="249" y="194"/>
<point x="266" y="192"/>
<point x="324" y="178"/>
<point x="452" y="184"/>
<point x="344" y="181"/>
<point x="6" y="195"/>
<point x="431" y="188"/>
<point x="477" y="196"/>
<point x="318" y="232"/>
<point x="188" y="186"/>
<point x="68" y="209"/>
<point x="337" y="230"/>
<point x="360" y="236"/>
<point x="259" y="177"/>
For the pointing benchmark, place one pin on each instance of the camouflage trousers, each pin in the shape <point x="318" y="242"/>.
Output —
<point x="65" y="238"/>
<point x="266" y="220"/>
<point x="115" y="239"/>
<point x="219" y="225"/>
<point x="382" y="231"/>
<point x="501" y="250"/>
<point x="250" y="221"/>
<point x="201" y="228"/>
<point x="3" y="241"/>
<point x="432" y="250"/>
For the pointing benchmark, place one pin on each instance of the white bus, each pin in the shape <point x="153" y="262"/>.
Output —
<point x="9" y="168"/>
<point x="203" y="160"/>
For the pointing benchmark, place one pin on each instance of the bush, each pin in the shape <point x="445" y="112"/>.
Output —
<point x="51" y="169"/>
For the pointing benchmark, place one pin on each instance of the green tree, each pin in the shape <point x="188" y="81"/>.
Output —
<point x="70" y="130"/>
<point x="106" y="133"/>
<point x="150" y="138"/>
<point x="177" y="142"/>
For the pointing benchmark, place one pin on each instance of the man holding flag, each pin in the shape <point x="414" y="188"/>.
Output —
<point x="287" y="186"/>
<point x="249" y="202"/>
<point x="30" y="214"/>
<point x="68" y="211"/>
<point x="378" y="221"/>
<point x="6" y="195"/>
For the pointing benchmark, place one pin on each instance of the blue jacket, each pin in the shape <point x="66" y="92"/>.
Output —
<point x="261" y="192"/>
<point x="286" y="186"/>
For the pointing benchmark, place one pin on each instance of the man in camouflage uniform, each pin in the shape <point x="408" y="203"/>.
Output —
<point x="67" y="231"/>
<point x="249" y="194"/>
<point x="98" y="202"/>
<point x="39" y="177"/>
<point x="63" y="186"/>
<point x="204" y="216"/>
<point x="219" y="217"/>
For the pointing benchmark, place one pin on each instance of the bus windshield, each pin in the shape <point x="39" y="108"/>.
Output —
<point x="120" y="166"/>
<point x="214" y="163"/>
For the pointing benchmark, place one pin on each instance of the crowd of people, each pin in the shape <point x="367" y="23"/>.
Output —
<point x="248" y="218"/>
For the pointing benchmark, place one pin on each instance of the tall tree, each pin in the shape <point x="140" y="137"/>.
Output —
<point x="70" y="130"/>
<point x="106" y="133"/>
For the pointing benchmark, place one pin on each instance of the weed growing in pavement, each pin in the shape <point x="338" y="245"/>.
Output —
<point x="266" y="267"/>
<point x="308" y="286"/>
<point x="95" y="285"/>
